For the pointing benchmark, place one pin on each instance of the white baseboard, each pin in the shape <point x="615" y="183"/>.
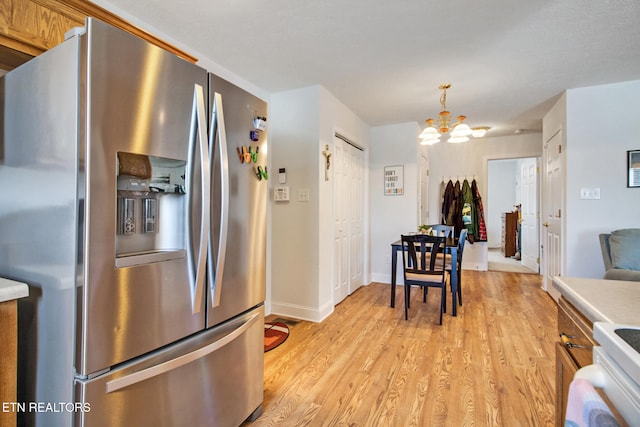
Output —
<point x="380" y="278"/>
<point x="478" y="266"/>
<point x="301" y="312"/>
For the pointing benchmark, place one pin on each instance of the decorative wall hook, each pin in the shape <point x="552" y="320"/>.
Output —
<point x="327" y="154"/>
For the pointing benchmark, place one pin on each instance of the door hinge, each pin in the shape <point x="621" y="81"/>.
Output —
<point x="559" y="148"/>
<point x="538" y="260"/>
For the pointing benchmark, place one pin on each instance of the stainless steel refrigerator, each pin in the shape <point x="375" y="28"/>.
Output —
<point x="125" y="207"/>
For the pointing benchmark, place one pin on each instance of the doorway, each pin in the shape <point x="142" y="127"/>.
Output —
<point x="512" y="214"/>
<point x="552" y="213"/>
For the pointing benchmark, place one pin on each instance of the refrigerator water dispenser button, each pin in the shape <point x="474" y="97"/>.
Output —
<point x="129" y="183"/>
<point x="126" y="214"/>
<point x="149" y="215"/>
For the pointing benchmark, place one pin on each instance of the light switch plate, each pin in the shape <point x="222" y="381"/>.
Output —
<point x="590" y="193"/>
<point x="303" y="195"/>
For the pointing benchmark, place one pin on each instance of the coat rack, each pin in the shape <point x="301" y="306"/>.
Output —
<point x="459" y="178"/>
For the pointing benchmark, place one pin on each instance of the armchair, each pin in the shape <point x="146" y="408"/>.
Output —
<point x="621" y="254"/>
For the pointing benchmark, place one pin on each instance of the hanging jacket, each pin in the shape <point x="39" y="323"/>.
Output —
<point x="456" y="210"/>
<point x="482" y="227"/>
<point x="448" y="201"/>
<point x="467" y="211"/>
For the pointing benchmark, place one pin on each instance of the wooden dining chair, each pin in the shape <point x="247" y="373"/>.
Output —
<point x="461" y="241"/>
<point x="442" y="230"/>
<point x="422" y="267"/>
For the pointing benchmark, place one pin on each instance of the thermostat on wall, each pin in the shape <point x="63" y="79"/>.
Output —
<point x="281" y="193"/>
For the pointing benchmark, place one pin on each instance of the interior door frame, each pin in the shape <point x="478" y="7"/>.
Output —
<point x="485" y="192"/>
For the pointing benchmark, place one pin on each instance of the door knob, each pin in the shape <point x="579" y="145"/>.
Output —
<point x="546" y="224"/>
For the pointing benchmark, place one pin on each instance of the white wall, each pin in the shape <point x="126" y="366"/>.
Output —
<point x="602" y="124"/>
<point x="293" y="139"/>
<point x="301" y="123"/>
<point x="391" y="216"/>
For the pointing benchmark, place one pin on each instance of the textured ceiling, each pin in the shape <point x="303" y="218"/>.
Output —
<point x="507" y="60"/>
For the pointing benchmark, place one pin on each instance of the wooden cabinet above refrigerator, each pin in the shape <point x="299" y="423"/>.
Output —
<point x="30" y="27"/>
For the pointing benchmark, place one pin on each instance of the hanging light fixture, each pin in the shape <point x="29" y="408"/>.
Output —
<point x="459" y="132"/>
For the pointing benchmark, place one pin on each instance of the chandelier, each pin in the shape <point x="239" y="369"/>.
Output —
<point x="458" y="132"/>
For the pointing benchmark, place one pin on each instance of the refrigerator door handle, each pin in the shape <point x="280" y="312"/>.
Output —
<point x="220" y="131"/>
<point x="199" y="143"/>
<point x="163" y="368"/>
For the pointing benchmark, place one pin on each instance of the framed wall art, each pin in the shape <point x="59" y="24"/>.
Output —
<point x="393" y="180"/>
<point x="633" y="168"/>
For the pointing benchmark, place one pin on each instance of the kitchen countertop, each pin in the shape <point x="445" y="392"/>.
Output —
<point x="600" y="300"/>
<point x="10" y="290"/>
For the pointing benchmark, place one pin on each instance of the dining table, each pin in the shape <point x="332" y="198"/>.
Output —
<point x="451" y="248"/>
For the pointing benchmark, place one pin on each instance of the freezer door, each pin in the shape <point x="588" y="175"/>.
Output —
<point x="143" y="110"/>
<point x="212" y="379"/>
<point x="39" y="213"/>
<point x="237" y="249"/>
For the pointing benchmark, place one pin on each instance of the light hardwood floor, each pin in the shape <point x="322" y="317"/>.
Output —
<point x="492" y="365"/>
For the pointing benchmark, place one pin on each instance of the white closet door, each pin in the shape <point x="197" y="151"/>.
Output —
<point x="356" y="208"/>
<point x="341" y="223"/>
<point x="348" y="213"/>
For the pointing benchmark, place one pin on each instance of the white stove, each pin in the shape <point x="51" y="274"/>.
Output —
<point x="616" y="368"/>
<point x="622" y="343"/>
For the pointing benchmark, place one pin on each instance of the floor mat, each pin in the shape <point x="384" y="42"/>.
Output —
<point x="275" y="333"/>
